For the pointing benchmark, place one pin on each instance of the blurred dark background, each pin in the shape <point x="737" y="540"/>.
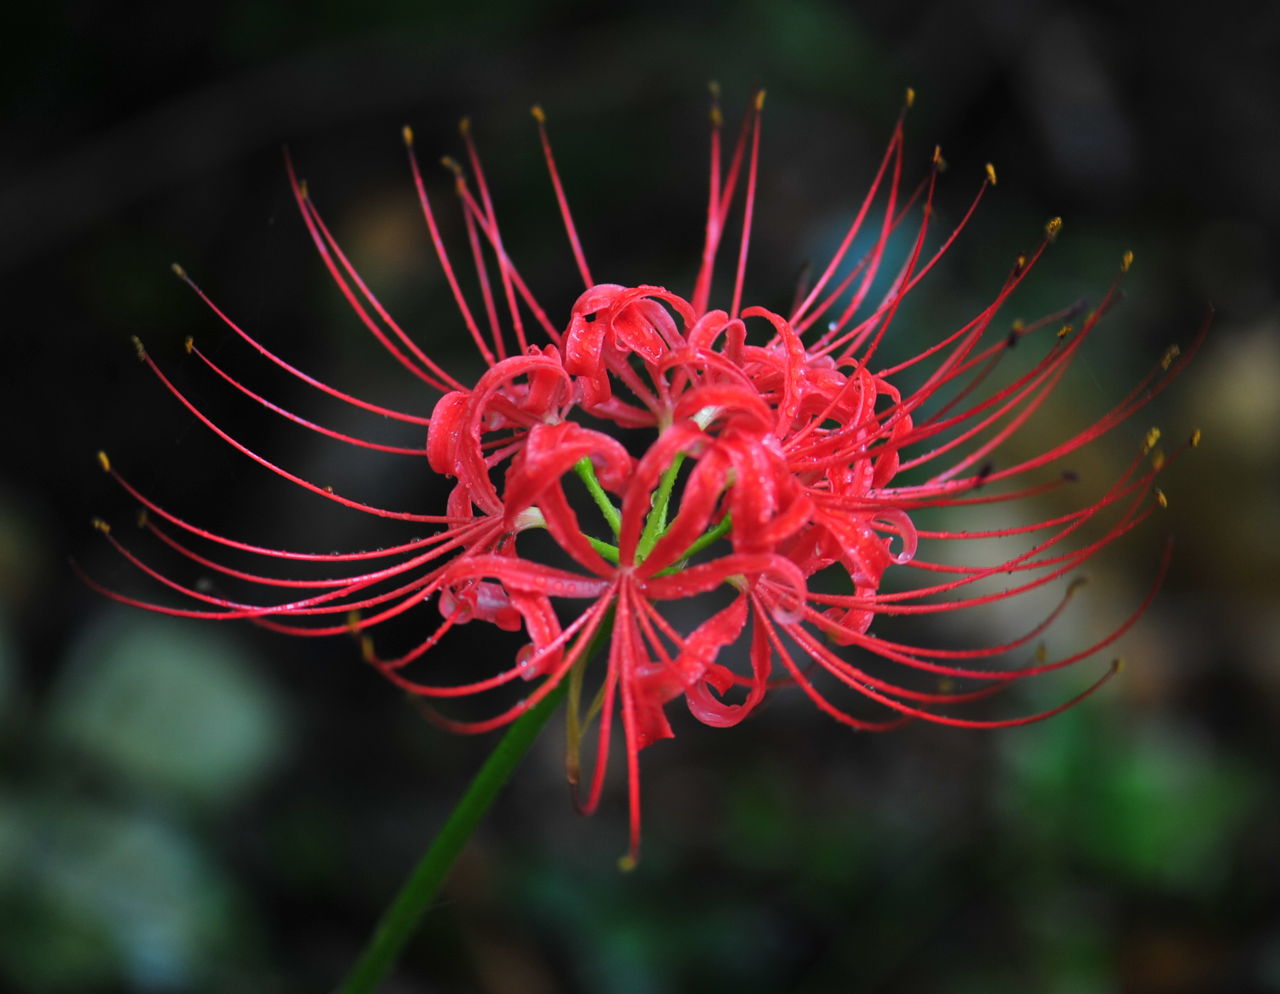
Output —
<point x="191" y="807"/>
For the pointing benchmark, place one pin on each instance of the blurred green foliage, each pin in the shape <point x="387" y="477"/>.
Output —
<point x="168" y="709"/>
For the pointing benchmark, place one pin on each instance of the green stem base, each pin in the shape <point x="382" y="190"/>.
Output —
<point x="402" y="918"/>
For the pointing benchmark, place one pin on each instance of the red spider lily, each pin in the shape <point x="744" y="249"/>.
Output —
<point x="789" y="470"/>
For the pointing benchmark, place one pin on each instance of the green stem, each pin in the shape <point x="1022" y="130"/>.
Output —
<point x="587" y="473"/>
<point x="405" y="913"/>
<point x="656" y="523"/>
<point x="607" y="552"/>
<point x="700" y="543"/>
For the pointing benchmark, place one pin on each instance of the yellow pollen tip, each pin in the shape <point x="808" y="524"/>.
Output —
<point x="464" y="127"/>
<point x="1022" y="261"/>
<point x="1053" y="228"/>
<point x="946" y="685"/>
<point x="760" y="101"/>
<point x="991" y="174"/>
<point x="1117" y="665"/>
<point x="910" y="96"/>
<point x="104" y="462"/>
<point x="178" y="271"/>
<point x="139" y="348"/>
<point x="451" y="164"/>
<point x="1018" y="325"/>
<point x="406" y="133"/>
<point x="1077" y="584"/>
<point x="717" y="119"/>
<point x="1149" y="442"/>
<point x="713" y="87"/>
<point x="353" y="622"/>
<point x="538" y="113"/>
<point x="102" y="526"/>
<point x="142" y="519"/>
<point x="1126" y="261"/>
<point x="1157" y="460"/>
<point x="189" y="344"/>
<point x="1065" y="330"/>
<point x="1195" y="438"/>
<point x="1167" y="359"/>
<point x="366" y="649"/>
<point x="304" y="191"/>
<point x="1042" y="653"/>
<point x="1161" y="498"/>
<point x="627" y="863"/>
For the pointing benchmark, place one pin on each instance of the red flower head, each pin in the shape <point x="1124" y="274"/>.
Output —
<point x="785" y="470"/>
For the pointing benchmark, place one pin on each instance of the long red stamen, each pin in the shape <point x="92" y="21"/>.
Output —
<point x="293" y="370"/>
<point x="566" y="215"/>
<point x="504" y="268"/>
<point x="748" y="210"/>
<point x="441" y="253"/>
<point x="324" y="492"/>
<point x="297" y="419"/>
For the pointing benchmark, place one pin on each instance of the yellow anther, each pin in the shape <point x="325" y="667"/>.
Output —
<point x="910" y="96"/>
<point x="189" y="344"/>
<point x="1018" y="325"/>
<point x="101" y="526"/>
<point x="178" y="271"/>
<point x="1042" y="653"/>
<point x="1157" y="460"/>
<point x="1149" y="442"/>
<point x="713" y="86"/>
<point x="1195" y="438"/>
<point x="760" y="101"/>
<point x="142" y="519"/>
<point x="717" y="119"/>
<point x="946" y="685"/>
<point x="139" y="348"/>
<point x="627" y="863"/>
<point x="538" y="113"/>
<point x="1117" y="665"/>
<point x="1126" y="261"/>
<point x="304" y="191"/>
<point x="104" y="462"/>
<point x="991" y="174"/>
<point x="464" y="127"/>
<point x="1053" y="228"/>
<point x="1022" y="261"/>
<point x="1167" y="359"/>
<point x="451" y="164"/>
<point x="327" y="489"/>
<point x="1161" y="499"/>
<point x="353" y="622"/>
<point x="1077" y="584"/>
<point x="937" y="154"/>
<point x="407" y="134"/>
<point x="1065" y="330"/>
<point x="366" y="649"/>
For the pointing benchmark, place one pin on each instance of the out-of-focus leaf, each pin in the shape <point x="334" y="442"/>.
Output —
<point x="96" y="893"/>
<point x="169" y="707"/>
<point x="1133" y="799"/>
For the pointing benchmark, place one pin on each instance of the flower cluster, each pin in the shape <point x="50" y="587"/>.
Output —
<point x="785" y="473"/>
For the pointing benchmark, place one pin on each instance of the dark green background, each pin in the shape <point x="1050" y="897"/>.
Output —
<point x="187" y="807"/>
